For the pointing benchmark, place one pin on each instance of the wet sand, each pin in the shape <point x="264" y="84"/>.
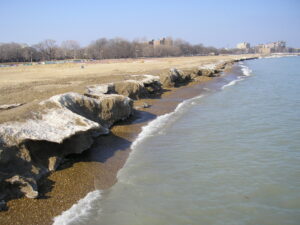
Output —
<point x="96" y="168"/>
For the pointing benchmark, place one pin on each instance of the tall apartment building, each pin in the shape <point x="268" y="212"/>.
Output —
<point x="243" y="45"/>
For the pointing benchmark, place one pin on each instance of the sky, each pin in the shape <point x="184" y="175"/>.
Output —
<point x="219" y="23"/>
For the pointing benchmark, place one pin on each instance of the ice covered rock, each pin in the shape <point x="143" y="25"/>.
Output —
<point x="175" y="78"/>
<point x="132" y="88"/>
<point x="64" y="124"/>
<point x="108" y="88"/>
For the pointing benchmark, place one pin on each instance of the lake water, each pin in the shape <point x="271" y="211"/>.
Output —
<point x="230" y="156"/>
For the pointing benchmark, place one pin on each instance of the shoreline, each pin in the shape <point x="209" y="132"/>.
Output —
<point x="97" y="166"/>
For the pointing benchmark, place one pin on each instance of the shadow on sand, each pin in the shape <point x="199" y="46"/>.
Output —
<point x="103" y="148"/>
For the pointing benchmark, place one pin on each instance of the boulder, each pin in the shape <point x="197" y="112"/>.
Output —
<point x="175" y="78"/>
<point x="131" y="88"/>
<point x="209" y="72"/>
<point x="134" y="89"/>
<point x="152" y="84"/>
<point x="108" y="88"/>
<point x="64" y="124"/>
<point x="103" y="109"/>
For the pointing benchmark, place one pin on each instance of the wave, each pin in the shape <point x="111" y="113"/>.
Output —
<point x="246" y="70"/>
<point x="231" y="83"/>
<point x="276" y="56"/>
<point x="80" y="212"/>
<point x="155" y="125"/>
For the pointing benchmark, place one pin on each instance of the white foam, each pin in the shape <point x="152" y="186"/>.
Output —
<point x="231" y="83"/>
<point x="151" y="128"/>
<point x="246" y="72"/>
<point x="277" y="56"/>
<point x="80" y="212"/>
<point x="245" y="69"/>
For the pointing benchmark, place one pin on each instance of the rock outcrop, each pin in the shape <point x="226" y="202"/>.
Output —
<point x="152" y="84"/>
<point x="65" y="124"/>
<point x="95" y="90"/>
<point x="175" y="78"/>
<point x="102" y="109"/>
<point x="134" y="89"/>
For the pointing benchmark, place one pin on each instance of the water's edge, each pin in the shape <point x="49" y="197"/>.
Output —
<point x="85" y="208"/>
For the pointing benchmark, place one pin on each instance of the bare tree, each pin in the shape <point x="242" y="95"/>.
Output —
<point x="47" y="48"/>
<point x="70" y="48"/>
<point x="104" y="49"/>
<point x="96" y="49"/>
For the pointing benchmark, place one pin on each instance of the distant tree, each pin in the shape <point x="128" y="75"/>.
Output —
<point x="47" y="49"/>
<point x="70" y="49"/>
<point x="166" y="50"/>
<point x="11" y="52"/>
<point x="96" y="49"/>
<point x="105" y="49"/>
<point x="30" y="54"/>
<point x="185" y="47"/>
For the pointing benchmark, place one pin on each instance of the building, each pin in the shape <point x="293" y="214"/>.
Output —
<point x="243" y="45"/>
<point x="162" y="41"/>
<point x="272" y="47"/>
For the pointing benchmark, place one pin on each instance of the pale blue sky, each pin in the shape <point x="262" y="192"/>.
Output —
<point x="220" y="23"/>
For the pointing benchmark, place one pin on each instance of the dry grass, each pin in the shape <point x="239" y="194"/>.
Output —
<point x="24" y="84"/>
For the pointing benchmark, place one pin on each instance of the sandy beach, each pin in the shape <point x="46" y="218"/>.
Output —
<point x="97" y="167"/>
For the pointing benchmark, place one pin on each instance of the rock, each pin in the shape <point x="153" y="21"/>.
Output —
<point x="103" y="109"/>
<point x="175" y="78"/>
<point x="65" y="124"/>
<point x="108" y="88"/>
<point x="152" y="84"/>
<point x="54" y="125"/>
<point x="221" y="66"/>
<point x="209" y="72"/>
<point x="132" y="88"/>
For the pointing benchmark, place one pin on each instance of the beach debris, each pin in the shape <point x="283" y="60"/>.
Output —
<point x="146" y="105"/>
<point x="10" y="106"/>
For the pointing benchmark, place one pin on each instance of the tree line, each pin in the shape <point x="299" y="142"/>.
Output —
<point x="101" y="49"/>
